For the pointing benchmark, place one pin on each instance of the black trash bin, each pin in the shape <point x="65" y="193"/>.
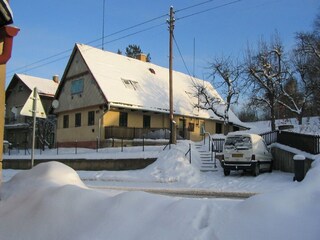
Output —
<point x="299" y="163"/>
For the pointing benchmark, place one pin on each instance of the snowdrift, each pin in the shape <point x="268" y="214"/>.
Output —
<point x="50" y="202"/>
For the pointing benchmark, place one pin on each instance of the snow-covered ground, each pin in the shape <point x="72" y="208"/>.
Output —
<point x="52" y="201"/>
<point x="171" y="170"/>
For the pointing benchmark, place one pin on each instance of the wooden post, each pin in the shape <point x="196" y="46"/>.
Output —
<point x="172" y="123"/>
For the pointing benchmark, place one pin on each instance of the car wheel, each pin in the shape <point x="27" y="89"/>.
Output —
<point x="256" y="170"/>
<point x="226" y="172"/>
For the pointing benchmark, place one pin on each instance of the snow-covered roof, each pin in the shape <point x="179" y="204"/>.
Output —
<point x="44" y="86"/>
<point x="131" y="83"/>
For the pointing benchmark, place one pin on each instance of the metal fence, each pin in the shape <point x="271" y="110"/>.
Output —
<point x="303" y="142"/>
<point x="217" y="144"/>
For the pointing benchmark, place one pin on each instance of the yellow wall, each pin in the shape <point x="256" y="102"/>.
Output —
<point x="82" y="133"/>
<point x="135" y="119"/>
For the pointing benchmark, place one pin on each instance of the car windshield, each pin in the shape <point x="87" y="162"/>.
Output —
<point x="238" y="142"/>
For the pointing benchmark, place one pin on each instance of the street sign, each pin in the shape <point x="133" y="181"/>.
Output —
<point x="28" y="110"/>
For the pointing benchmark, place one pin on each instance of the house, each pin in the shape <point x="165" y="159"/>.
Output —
<point x="17" y="127"/>
<point x="104" y="95"/>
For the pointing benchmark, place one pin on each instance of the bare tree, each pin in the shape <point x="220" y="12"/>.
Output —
<point x="226" y="75"/>
<point x="266" y="71"/>
<point x="308" y="51"/>
<point x="297" y="98"/>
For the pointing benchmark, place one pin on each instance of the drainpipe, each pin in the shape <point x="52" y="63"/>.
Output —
<point x="105" y="110"/>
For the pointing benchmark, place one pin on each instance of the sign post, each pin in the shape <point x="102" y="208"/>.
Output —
<point x="33" y="108"/>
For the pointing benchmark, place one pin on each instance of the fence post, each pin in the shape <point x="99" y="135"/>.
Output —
<point x="143" y="144"/>
<point x="190" y="153"/>
<point x="122" y="144"/>
<point x="97" y="145"/>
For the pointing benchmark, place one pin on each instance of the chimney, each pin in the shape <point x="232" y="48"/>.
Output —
<point x="55" y="78"/>
<point x="142" y="57"/>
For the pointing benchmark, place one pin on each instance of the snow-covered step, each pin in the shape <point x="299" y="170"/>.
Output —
<point x="206" y="158"/>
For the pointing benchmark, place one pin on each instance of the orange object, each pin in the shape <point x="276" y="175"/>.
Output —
<point x="6" y="36"/>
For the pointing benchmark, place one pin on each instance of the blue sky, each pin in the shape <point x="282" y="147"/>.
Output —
<point x="50" y="27"/>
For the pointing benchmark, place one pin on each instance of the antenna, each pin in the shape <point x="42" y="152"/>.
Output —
<point x="194" y="56"/>
<point x="103" y="8"/>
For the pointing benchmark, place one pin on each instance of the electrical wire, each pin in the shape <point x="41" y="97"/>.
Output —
<point x="193" y="6"/>
<point x="134" y="33"/>
<point x="29" y="66"/>
<point x="209" y="9"/>
<point x="184" y="62"/>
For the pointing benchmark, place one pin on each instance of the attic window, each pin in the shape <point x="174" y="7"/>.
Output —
<point x="77" y="86"/>
<point x="131" y="84"/>
<point x="152" y="70"/>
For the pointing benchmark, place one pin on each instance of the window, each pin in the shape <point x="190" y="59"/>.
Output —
<point x="77" y="86"/>
<point x="123" y="119"/>
<point x="65" y="121"/>
<point x="146" y="121"/>
<point x="218" y="128"/>
<point x="131" y="84"/>
<point x="90" y="118"/>
<point x="191" y="127"/>
<point x="77" y="122"/>
<point x="20" y="88"/>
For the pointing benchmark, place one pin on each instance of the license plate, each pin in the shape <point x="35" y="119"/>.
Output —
<point x="237" y="155"/>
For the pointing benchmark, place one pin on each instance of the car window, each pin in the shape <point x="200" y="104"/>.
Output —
<point x="238" y="141"/>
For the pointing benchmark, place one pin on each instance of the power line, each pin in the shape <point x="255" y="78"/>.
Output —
<point x="29" y="67"/>
<point x="209" y="9"/>
<point x="193" y="6"/>
<point x="135" y="33"/>
<point x="184" y="62"/>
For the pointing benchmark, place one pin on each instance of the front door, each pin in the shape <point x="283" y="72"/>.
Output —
<point x="182" y="128"/>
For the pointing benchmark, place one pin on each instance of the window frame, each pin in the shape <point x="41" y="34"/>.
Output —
<point x="123" y="119"/>
<point x="77" y="86"/>
<point x="77" y="120"/>
<point x="91" y="118"/>
<point x="146" y="121"/>
<point x="65" y="121"/>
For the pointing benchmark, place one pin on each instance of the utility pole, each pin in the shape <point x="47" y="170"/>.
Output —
<point x="171" y="21"/>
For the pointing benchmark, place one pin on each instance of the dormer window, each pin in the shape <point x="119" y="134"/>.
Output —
<point x="131" y="84"/>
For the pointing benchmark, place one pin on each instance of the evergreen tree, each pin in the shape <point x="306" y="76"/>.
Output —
<point x="134" y="50"/>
